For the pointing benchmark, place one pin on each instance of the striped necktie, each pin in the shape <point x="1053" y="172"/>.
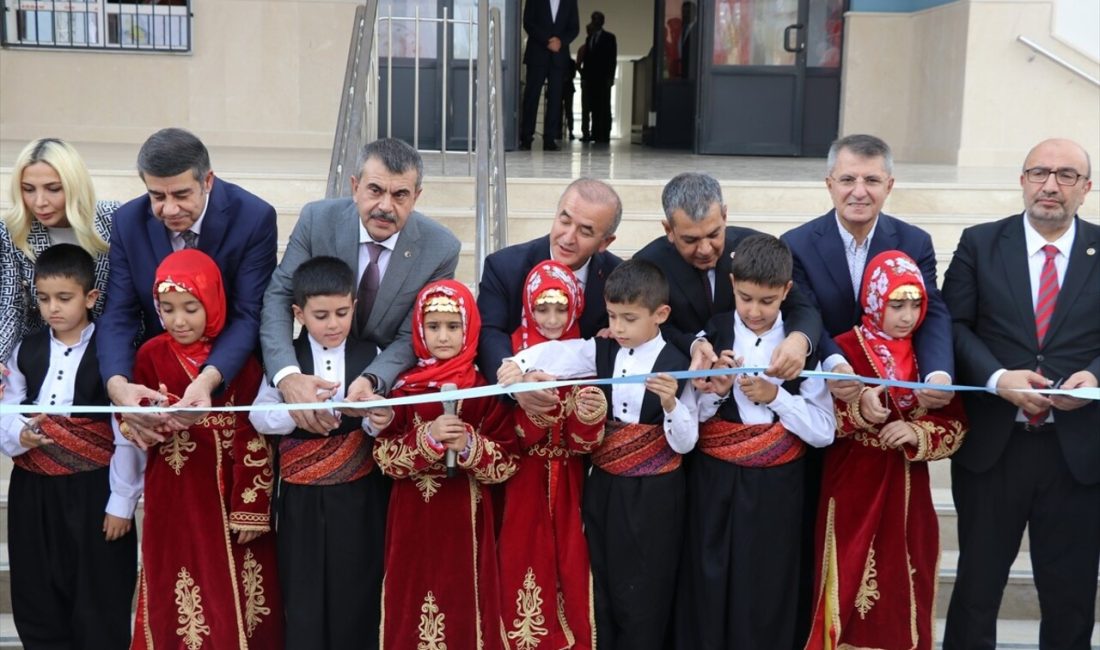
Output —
<point x="1044" y="309"/>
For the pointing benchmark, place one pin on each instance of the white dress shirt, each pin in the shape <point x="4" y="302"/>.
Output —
<point x="808" y="415"/>
<point x="576" y="358"/>
<point x="127" y="468"/>
<point x="581" y="274"/>
<point x="176" y="238"/>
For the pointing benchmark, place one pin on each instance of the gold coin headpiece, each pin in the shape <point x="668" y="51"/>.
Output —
<point x="168" y="286"/>
<point x="441" y="303"/>
<point x="906" y="292"/>
<point x="552" y="297"/>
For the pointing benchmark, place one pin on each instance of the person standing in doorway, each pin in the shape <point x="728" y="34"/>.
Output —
<point x="597" y="77"/>
<point x="551" y="25"/>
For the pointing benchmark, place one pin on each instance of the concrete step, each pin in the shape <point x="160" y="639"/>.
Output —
<point x="1015" y="634"/>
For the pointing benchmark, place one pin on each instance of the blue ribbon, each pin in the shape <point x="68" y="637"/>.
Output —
<point x="1086" y="393"/>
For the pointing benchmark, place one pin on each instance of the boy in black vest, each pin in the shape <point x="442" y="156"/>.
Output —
<point x="331" y="508"/>
<point x="738" y="587"/>
<point x="634" y="498"/>
<point x="73" y="569"/>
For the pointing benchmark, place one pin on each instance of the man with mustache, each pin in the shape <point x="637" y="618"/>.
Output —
<point x="395" y="250"/>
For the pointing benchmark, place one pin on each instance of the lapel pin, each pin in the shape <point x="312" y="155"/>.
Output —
<point x="1090" y="251"/>
<point x="408" y="254"/>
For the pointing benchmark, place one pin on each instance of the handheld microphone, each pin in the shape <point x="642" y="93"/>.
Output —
<point x="451" y="458"/>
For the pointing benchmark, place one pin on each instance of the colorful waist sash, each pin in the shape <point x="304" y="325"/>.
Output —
<point x="635" y="450"/>
<point x="79" y="445"/>
<point x="749" y="445"/>
<point x="326" y="461"/>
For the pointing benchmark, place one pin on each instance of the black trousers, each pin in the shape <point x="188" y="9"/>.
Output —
<point x="70" y="587"/>
<point x="537" y="76"/>
<point x="634" y="527"/>
<point x="330" y="541"/>
<point x="740" y="571"/>
<point x="1030" y="485"/>
<point x="598" y="93"/>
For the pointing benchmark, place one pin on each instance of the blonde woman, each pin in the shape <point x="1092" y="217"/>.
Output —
<point x="53" y="202"/>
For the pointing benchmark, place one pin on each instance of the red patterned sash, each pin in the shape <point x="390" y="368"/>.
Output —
<point x="326" y="461"/>
<point x="749" y="445"/>
<point x="79" y="445"/>
<point x="635" y="450"/>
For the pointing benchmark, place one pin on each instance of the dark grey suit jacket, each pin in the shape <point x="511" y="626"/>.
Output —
<point x="425" y="252"/>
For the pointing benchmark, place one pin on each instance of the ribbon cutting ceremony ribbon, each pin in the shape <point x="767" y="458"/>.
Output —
<point x="1085" y="393"/>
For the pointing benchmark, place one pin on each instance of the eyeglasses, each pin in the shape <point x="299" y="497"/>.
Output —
<point x="870" y="182"/>
<point x="1062" y="176"/>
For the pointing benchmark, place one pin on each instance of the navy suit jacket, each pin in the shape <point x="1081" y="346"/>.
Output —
<point x="238" y="232"/>
<point x="500" y="298"/>
<point x="988" y="289"/>
<point x="821" y="270"/>
<point x="541" y="27"/>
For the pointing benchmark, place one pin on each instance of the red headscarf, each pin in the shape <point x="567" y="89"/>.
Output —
<point x="547" y="276"/>
<point x="431" y="373"/>
<point x="893" y="358"/>
<point x="192" y="271"/>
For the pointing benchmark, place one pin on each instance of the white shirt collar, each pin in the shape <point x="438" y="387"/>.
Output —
<point x="85" y="336"/>
<point x="582" y="273"/>
<point x="741" y="331"/>
<point x="390" y="243"/>
<point x="848" y="238"/>
<point x="650" y="348"/>
<point x="197" y="226"/>
<point x="1035" y="242"/>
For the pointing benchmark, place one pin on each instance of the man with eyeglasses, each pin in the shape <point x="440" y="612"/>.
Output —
<point x="1024" y="293"/>
<point x="830" y="253"/>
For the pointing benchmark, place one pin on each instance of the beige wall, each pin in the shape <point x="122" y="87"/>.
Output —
<point x="951" y="84"/>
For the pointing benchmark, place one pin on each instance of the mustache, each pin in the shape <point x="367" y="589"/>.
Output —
<point x="383" y="215"/>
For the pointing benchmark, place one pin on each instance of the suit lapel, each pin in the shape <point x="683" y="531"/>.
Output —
<point x="402" y="261"/>
<point x="886" y="237"/>
<point x="830" y="251"/>
<point x="723" y="290"/>
<point x="347" y="248"/>
<point x="1013" y="250"/>
<point x="1081" y="267"/>
<point x="215" y="221"/>
<point x="159" y="238"/>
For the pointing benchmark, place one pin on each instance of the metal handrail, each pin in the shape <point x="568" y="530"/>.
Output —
<point x="356" y="123"/>
<point x="492" y="191"/>
<point x="1039" y="49"/>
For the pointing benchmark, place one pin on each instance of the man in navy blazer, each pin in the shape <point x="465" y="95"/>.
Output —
<point x="550" y="27"/>
<point x="185" y="206"/>
<point x="588" y="213"/>
<point x="831" y="252"/>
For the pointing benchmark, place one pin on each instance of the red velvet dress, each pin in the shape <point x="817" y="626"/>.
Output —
<point x="877" y="541"/>
<point x="545" y="576"/>
<point x="440" y="588"/>
<point x="199" y="588"/>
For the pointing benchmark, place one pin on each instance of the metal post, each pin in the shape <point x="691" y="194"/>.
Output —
<point x="443" y="99"/>
<point x="481" y="243"/>
<point x="470" y="96"/>
<point x="500" y="209"/>
<point x="416" y="80"/>
<point x="389" y="75"/>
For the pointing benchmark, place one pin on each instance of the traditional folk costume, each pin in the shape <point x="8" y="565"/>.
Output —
<point x="546" y="581"/>
<point x="441" y="584"/>
<point x="634" y="498"/>
<point x="70" y="587"/>
<point x="199" y="587"/>
<point x="739" y="583"/>
<point x="877" y="540"/>
<point x="331" y="511"/>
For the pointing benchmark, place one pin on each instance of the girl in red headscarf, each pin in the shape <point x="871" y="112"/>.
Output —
<point x="208" y="570"/>
<point x="440" y="586"/>
<point x="877" y="539"/>
<point x="545" y="574"/>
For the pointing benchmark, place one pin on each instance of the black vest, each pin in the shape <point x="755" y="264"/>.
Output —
<point x="669" y="360"/>
<point x="34" y="362"/>
<point x="357" y="356"/>
<point x="720" y="334"/>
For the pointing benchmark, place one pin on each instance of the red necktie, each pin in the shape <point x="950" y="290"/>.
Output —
<point x="1044" y="309"/>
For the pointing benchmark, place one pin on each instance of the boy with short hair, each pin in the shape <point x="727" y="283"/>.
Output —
<point x="738" y="587"/>
<point x="634" y="497"/>
<point x="331" y="508"/>
<point x="73" y="569"/>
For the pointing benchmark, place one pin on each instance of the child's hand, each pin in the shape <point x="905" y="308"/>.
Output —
<point x="379" y="418"/>
<point x="246" y="536"/>
<point x="722" y="384"/>
<point x="757" y="389"/>
<point x="509" y="373"/>
<point x="591" y="403"/>
<point x="896" y="434"/>
<point x="449" y="431"/>
<point x="663" y="386"/>
<point x="871" y="407"/>
<point x="31" y="436"/>
<point x="115" y="527"/>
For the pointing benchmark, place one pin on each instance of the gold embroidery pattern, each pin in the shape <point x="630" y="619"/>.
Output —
<point x="255" y="445"/>
<point x="529" y="610"/>
<point x="259" y="484"/>
<point x="431" y="626"/>
<point x="176" y="448"/>
<point x="189" y="605"/>
<point x="498" y="469"/>
<point x="868" y="587"/>
<point x="253" y="580"/>
<point x="600" y="414"/>
<point x="394" y="457"/>
<point x="223" y="425"/>
<point x="949" y="438"/>
<point x="428" y="486"/>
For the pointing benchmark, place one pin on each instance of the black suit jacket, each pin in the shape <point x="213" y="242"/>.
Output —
<point x="600" y="61"/>
<point x="500" y="298"/>
<point x="541" y="27"/>
<point x="690" y="308"/>
<point x="987" y="288"/>
<point x="821" y="270"/>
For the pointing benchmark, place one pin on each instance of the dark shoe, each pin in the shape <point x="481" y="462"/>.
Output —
<point x="525" y="146"/>
<point x="550" y="145"/>
<point x="586" y="138"/>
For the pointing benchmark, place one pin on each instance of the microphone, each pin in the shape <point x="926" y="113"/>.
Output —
<point x="451" y="459"/>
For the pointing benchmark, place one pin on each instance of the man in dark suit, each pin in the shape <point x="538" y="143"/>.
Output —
<point x="1024" y="293"/>
<point x="551" y="27"/>
<point x="597" y="77"/>
<point x="588" y="213"/>
<point x="695" y="255"/>
<point x="185" y="206"/>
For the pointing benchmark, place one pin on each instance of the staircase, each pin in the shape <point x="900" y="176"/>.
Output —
<point x="938" y="201"/>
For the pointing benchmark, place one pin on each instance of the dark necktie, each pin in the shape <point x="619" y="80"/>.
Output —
<point x="1044" y="309"/>
<point x="704" y="277"/>
<point x="368" y="287"/>
<point x="190" y="239"/>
